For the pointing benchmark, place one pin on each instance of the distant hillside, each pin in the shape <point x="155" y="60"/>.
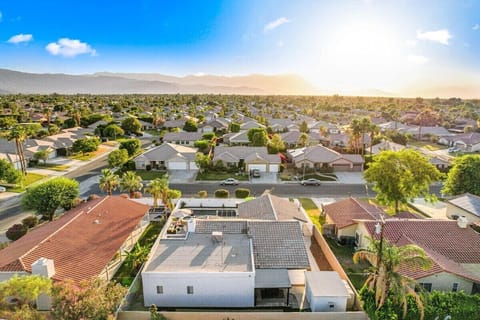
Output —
<point x="112" y="83"/>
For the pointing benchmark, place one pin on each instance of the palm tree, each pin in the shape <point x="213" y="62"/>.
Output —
<point x="385" y="279"/>
<point x="373" y="131"/>
<point x="131" y="182"/>
<point x="108" y="181"/>
<point x="356" y="131"/>
<point x="19" y="134"/>
<point x="156" y="189"/>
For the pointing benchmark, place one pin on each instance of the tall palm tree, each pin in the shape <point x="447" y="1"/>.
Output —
<point x="156" y="189"/>
<point x="385" y="279"/>
<point x="373" y="130"/>
<point x="19" y="134"/>
<point x="356" y="131"/>
<point x="131" y="182"/>
<point x="108" y="181"/>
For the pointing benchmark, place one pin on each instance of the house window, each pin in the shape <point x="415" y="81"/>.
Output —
<point x="426" y="286"/>
<point x="189" y="289"/>
<point x="455" y="287"/>
<point x="159" y="289"/>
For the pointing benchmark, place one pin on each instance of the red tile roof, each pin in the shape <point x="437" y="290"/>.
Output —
<point x="81" y="242"/>
<point x="448" y="245"/>
<point x="344" y="212"/>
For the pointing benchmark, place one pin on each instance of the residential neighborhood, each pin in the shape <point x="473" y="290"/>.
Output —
<point x="212" y="245"/>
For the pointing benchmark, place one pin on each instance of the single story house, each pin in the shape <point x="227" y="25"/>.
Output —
<point x="323" y="126"/>
<point x="214" y="125"/>
<point x="279" y="124"/>
<point x="270" y="207"/>
<point x="319" y="156"/>
<point x="146" y="125"/>
<point x="182" y="137"/>
<point x="386" y="145"/>
<point x="251" y="125"/>
<point x="250" y="157"/>
<point x="469" y="142"/>
<point x="339" y="140"/>
<point x="466" y="205"/>
<point x="452" y="246"/>
<point x="168" y="156"/>
<point x="236" y="138"/>
<point x="291" y="138"/>
<point x="171" y="124"/>
<point x="88" y="241"/>
<point x="438" y="132"/>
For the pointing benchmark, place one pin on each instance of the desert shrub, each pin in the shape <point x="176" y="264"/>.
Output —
<point x="16" y="231"/>
<point x="222" y="193"/>
<point x="202" y="194"/>
<point x="242" y="193"/>
<point x="30" y="221"/>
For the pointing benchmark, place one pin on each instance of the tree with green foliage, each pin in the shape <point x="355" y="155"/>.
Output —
<point x="18" y="133"/>
<point x="156" y="188"/>
<point x="8" y="173"/>
<point x="113" y="131"/>
<point x="51" y="195"/>
<point x="42" y="155"/>
<point x="222" y="193"/>
<point x="257" y="137"/>
<point x="131" y="125"/>
<point x="53" y="129"/>
<point x="464" y="176"/>
<point x="208" y="136"/>
<point x="86" y="145"/>
<point x="7" y="122"/>
<point x="131" y="182"/>
<point x="401" y="176"/>
<point x="190" y="126"/>
<point x="16" y="231"/>
<point x="24" y="289"/>
<point x="203" y="161"/>
<point x="242" y="193"/>
<point x="90" y="299"/>
<point x="276" y="144"/>
<point x="234" y="127"/>
<point x="117" y="158"/>
<point x="385" y="279"/>
<point x="202" y="144"/>
<point x="131" y="145"/>
<point x="303" y="127"/>
<point x="303" y="140"/>
<point x="108" y="181"/>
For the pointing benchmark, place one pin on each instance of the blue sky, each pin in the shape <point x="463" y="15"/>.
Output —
<point x="339" y="46"/>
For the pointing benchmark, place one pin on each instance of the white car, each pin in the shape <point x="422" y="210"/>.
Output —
<point x="229" y="182"/>
<point x="3" y="189"/>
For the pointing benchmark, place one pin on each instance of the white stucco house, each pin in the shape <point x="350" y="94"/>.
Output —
<point x="168" y="157"/>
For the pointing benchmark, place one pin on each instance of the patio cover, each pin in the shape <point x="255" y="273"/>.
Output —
<point x="272" y="278"/>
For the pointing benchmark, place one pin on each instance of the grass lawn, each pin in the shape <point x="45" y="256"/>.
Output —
<point x="28" y="180"/>
<point x="153" y="132"/>
<point x="217" y="176"/>
<point x="344" y="254"/>
<point x="427" y="145"/>
<point x="312" y="211"/>
<point x="88" y="156"/>
<point x="150" y="175"/>
<point x="52" y="166"/>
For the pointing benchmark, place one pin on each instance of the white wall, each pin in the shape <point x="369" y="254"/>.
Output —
<point x="322" y="304"/>
<point x="274" y="168"/>
<point x="444" y="281"/>
<point x="297" y="277"/>
<point x="211" y="289"/>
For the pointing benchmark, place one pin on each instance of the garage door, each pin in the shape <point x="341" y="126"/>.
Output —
<point x="176" y="165"/>
<point x="274" y="168"/>
<point x="260" y="167"/>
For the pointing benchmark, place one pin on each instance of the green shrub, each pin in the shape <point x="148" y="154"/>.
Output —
<point x="222" y="193"/>
<point x="202" y="194"/>
<point x="242" y="193"/>
<point x="30" y="221"/>
<point x="16" y="231"/>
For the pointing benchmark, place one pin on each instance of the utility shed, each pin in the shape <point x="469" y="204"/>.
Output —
<point x="325" y="291"/>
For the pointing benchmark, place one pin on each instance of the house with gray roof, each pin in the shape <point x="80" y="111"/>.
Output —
<point x="319" y="156"/>
<point x="236" y="138"/>
<point x="251" y="125"/>
<point x="250" y="157"/>
<point x="182" y="137"/>
<point x="466" y="205"/>
<point x="270" y="207"/>
<point x="167" y="156"/>
<point x="386" y="145"/>
<point x="469" y="142"/>
<point x="291" y="138"/>
<point x="214" y="125"/>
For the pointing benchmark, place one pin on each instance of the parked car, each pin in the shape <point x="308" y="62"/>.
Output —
<point x="3" y="189"/>
<point x="229" y="182"/>
<point x="453" y="150"/>
<point x="310" y="182"/>
<point x="256" y="173"/>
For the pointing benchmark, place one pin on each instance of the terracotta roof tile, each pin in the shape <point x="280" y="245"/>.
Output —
<point x="81" y="242"/>
<point x="344" y="212"/>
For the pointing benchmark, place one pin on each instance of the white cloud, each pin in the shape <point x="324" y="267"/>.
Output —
<point x="19" y="38"/>
<point x="411" y="43"/>
<point x="441" y="36"/>
<point x="417" y="59"/>
<point x="275" y="24"/>
<point x="476" y="26"/>
<point x="69" y="48"/>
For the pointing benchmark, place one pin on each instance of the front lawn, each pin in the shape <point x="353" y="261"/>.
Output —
<point x="150" y="174"/>
<point x="52" y="166"/>
<point x="28" y="180"/>
<point x="88" y="156"/>
<point x="312" y="211"/>
<point x="217" y="176"/>
<point x="427" y="145"/>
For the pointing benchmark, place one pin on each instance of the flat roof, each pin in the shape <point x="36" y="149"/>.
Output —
<point x="201" y="253"/>
<point x="272" y="278"/>
<point x="325" y="284"/>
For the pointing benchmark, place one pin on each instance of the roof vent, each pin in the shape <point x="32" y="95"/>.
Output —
<point x="96" y="221"/>
<point x="462" y="222"/>
<point x="217" y="236"/>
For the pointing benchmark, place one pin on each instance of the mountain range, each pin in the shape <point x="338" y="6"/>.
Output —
<point x="149" y="83"/>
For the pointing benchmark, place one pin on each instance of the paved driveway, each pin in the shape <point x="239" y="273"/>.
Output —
<point x="265" y="177"/>
<point x="182" y="176"/>
<point x="350" y="177"/>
